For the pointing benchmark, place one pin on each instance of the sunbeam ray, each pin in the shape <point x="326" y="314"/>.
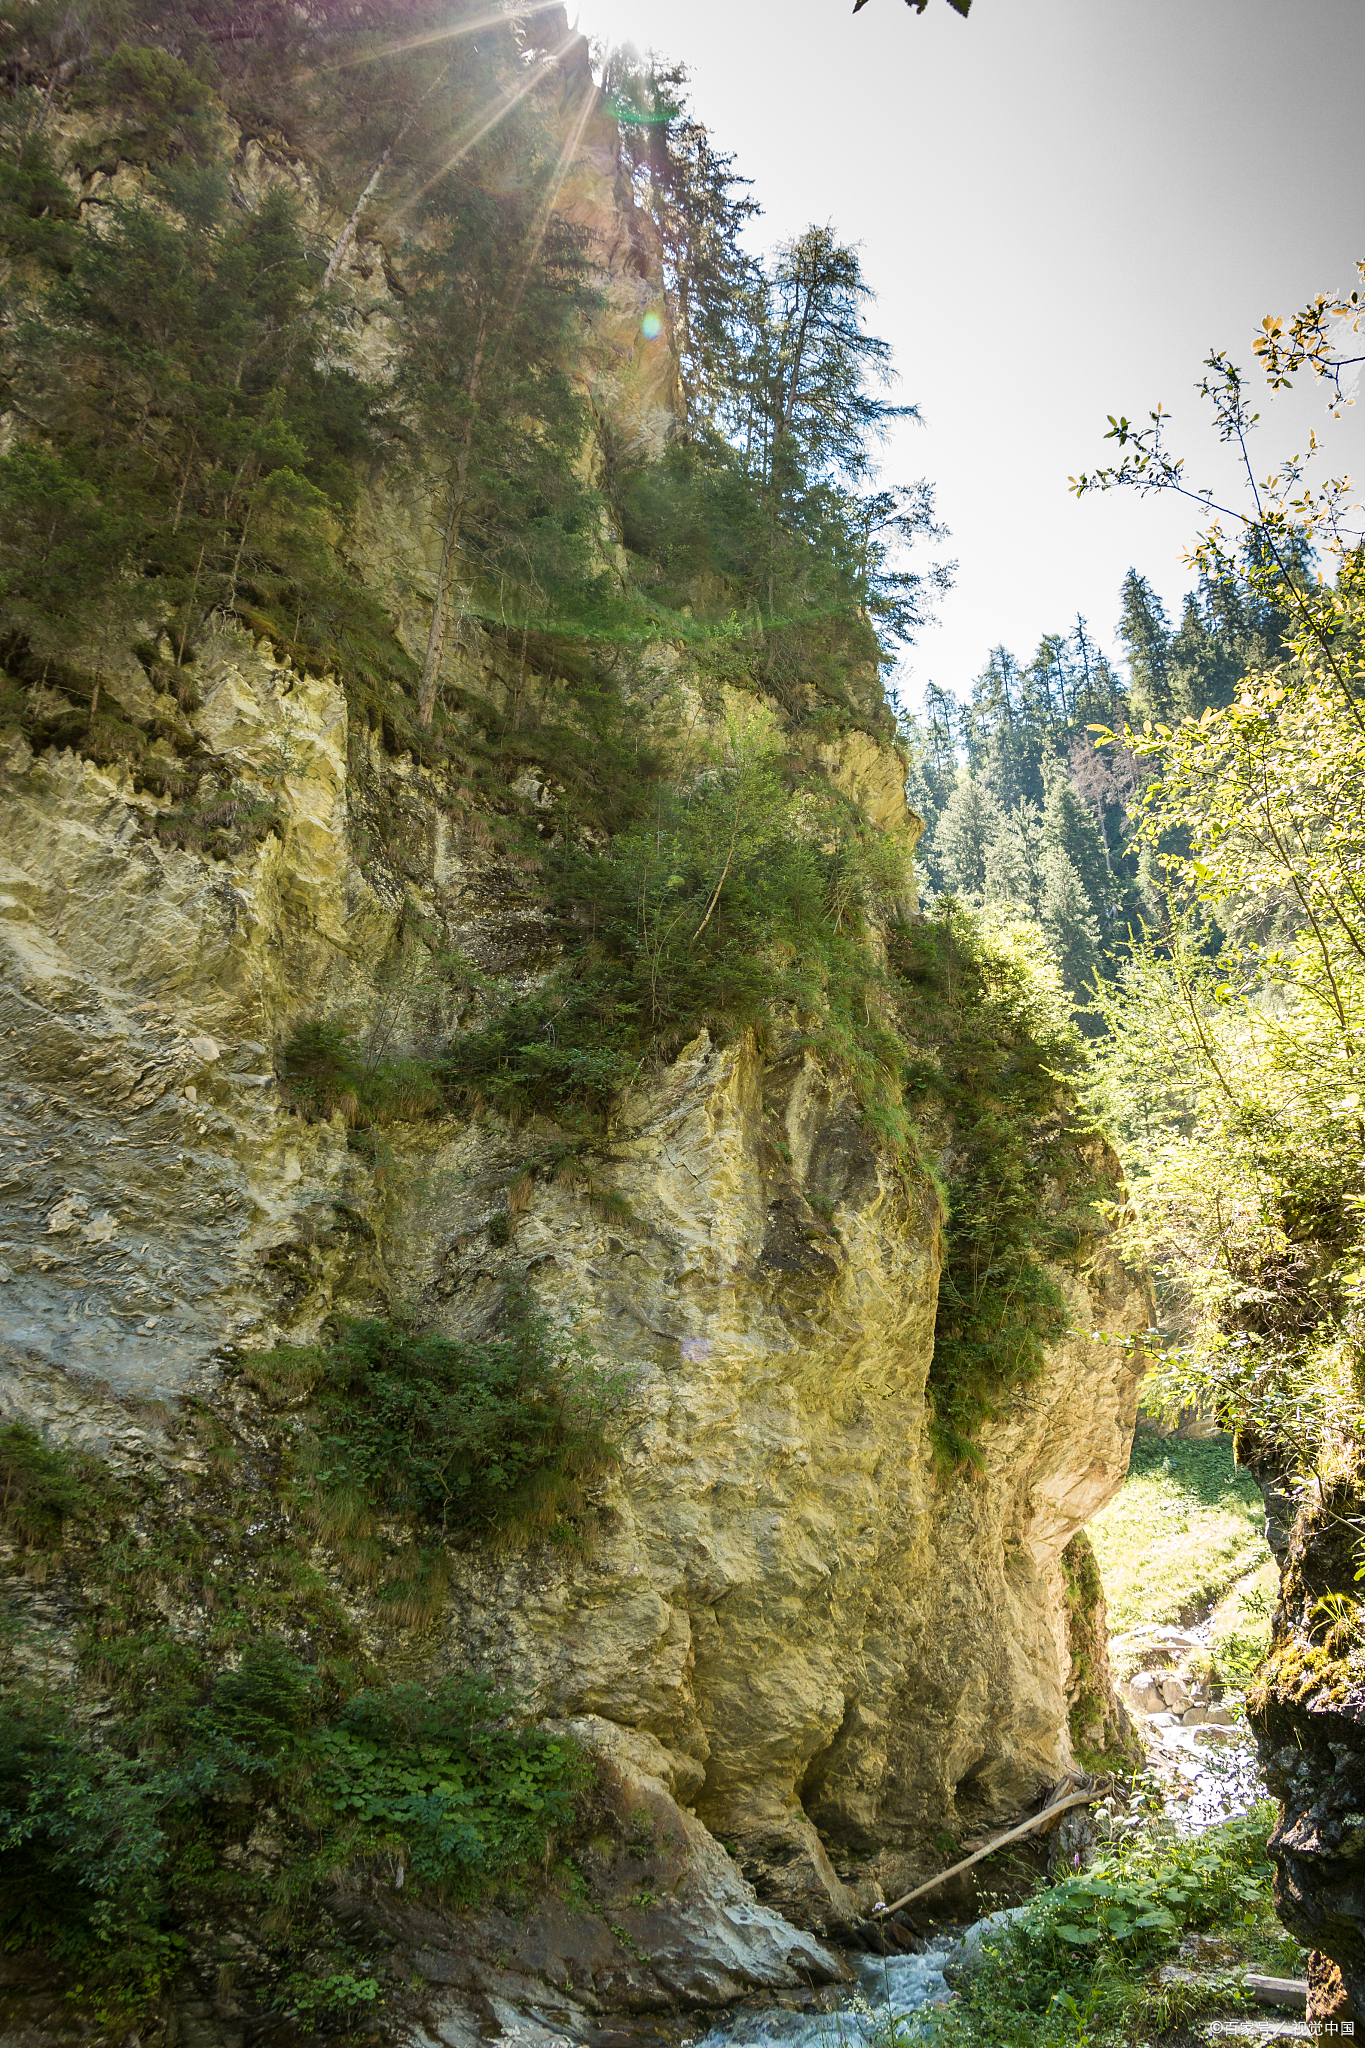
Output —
<point x="471" y="141"/>
<point x="491" y="18"/>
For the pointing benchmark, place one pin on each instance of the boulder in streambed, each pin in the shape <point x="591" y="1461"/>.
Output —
<point x="672" y="1920"/>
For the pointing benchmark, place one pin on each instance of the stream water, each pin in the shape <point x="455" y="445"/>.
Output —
<point x="894" y="1987"/>
<point x="1202" y="1785"/>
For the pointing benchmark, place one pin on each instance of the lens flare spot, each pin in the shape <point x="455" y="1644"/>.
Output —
<point x="651" y="327"/>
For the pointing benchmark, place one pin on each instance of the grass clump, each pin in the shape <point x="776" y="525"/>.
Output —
<point x="493" y="1442"/>
<point x="324" y="1070"/>
<point x="1185" y="1526"/>
<point x="220" y="822"/>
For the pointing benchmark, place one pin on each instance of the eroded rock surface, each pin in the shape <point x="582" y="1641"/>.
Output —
<point x="1308" y="1714"/>
<point x="801" y="1652"/>
<point x="841" y="1651"/>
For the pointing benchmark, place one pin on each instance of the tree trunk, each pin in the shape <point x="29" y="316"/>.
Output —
<point x="436" y="636"/>
<point x="347" y="235"/>
<point x="450" y="541"/>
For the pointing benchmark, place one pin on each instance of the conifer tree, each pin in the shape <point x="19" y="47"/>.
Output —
<point x="1146" y="635"/>
<point x="169" y="376"/>
<point x="700" y="207"/>
<point x="1068" y="919"/>
<point x="1014" y="854"/>
<point x="485" y="342"/>
<point x="1005" y="747"/>
<point x="970" y="823"/>
<point x="822" y="418"/>
<point x="1069" y="833"/>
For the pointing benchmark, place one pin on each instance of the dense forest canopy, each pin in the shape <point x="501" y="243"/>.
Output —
<point x="1024" y="812"/>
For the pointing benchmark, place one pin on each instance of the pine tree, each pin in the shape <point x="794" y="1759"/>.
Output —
<point x="1067" y="918"/>
<point x="700" y="207"/>
<point x="1146" y="635"/>
<point x="823" y="419"/>
<point x="1005" y="748"/>
<point x="1069" y="832"/>
<point x="1215" y="644"/>
<point x="500" y="422"/>
<point x="970" y="822"/>
<point x="1014" y="855"/>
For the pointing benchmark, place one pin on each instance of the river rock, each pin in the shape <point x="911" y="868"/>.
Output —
<point x="965" y="1959"/>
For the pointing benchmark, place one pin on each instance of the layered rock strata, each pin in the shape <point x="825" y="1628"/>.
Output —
<point x="792" y="1635"/>
<point x="840" y="1652"/>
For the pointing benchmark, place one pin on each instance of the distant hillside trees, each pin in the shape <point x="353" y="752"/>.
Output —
<point x="1020" y="807"/>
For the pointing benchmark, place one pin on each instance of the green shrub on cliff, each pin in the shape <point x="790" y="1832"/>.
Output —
<point x="109" y="1848"/>
<point x="993" y="1043"/>
<point x="324" y="1070"/>
<point x="84" y="1841"/>
<point x="494" y="1442"/>
<point x="445" y="1781"/>
<point x="40" y="1489"/>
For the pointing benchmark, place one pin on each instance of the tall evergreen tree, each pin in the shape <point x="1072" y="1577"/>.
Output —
<point x="1014" y="855"/>
<point x="485" y="345"/>
<point x="1005" y="748"/>
<point x="1146" y="635"/>
<point x="700" y="207"/>
<point x="825" y="417"/>
<point x="1069" y="832"/>
<point x="1068" y="919"/>
<point x="970" y="822"/>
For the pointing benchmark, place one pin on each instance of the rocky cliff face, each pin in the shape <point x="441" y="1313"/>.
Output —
<point x="791" y="1633"/>
<point x="1308" y="1713"/>
<point x="831" y="1643"/>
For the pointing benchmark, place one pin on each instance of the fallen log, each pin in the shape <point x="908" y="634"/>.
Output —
<point x="1015" y="1834"/>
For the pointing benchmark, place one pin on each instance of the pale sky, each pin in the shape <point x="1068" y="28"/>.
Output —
<point x="1062" y="205"/>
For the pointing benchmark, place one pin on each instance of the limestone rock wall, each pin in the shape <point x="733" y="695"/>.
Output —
<point x="840" y="1654"/>
<point x="816" y="1650"/>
